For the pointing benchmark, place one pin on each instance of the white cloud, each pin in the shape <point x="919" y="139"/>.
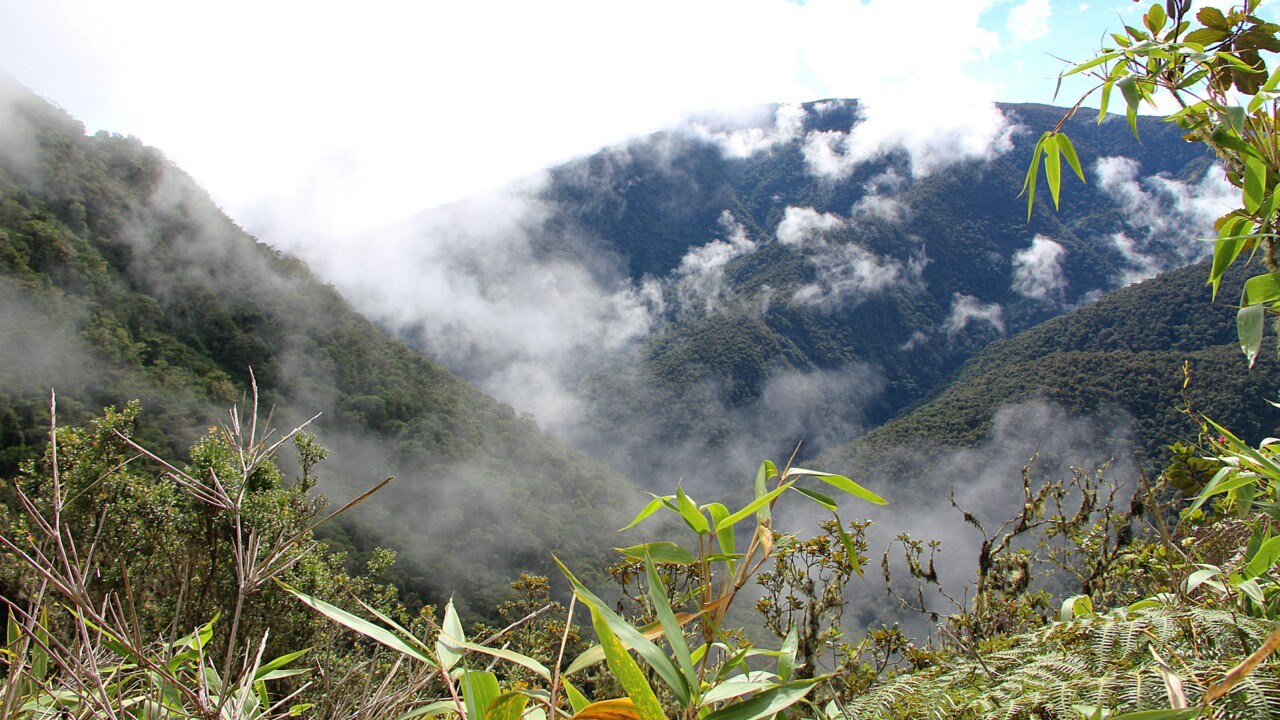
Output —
<point x="1164" y="218"/>
<point x="1029" y="20"/>
<point x="699" y="279"/>
<point x="801" y="225"/>
<point x="330" y="118"/>
<point x="970" y="129"/>
<point x="740" y="142"/>
<point x="845" y="270"/>
<point x="967" y="308"/>
<point x="1037" y="270"/>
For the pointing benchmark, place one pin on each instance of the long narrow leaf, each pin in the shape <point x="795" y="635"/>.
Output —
<point x="625" y="670"/>
<point x="360" y="625"/>
<point x="671" y="628"/>
<point x="767" y="703"/>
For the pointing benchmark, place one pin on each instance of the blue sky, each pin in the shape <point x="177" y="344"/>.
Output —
<point x="321" y="118"/>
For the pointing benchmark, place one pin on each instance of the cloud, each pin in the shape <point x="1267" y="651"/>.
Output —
<point x="801" y="226"/>
<point x="967" y="308"/>
<point x="845" y="270"/>
<point x="1029" y="20"/>
<point x="467" y="284"/>
<point x="331" y="120"/>
<point x="741" y="142"/>
<point x="1037" y="270"/>
<point x="699" y="280"/>
<point x="931" y="140"/>
<point x="986" y="479"/>
<point x="1163" y="216"/>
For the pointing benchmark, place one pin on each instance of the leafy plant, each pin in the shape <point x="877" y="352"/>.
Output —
<point x="707" y="671"/>
<point x="1214" y="67"/>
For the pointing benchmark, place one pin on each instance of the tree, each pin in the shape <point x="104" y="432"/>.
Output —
<point x="1213" y="68"/>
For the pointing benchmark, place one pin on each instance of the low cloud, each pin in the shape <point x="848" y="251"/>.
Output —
<point x="699" y="280"/>
<point x="466" y="284"/>
<point x="845" y="270"/>
<point x="968" y="131"/>
<point x="987" y="481"/>
<point x="1037" y="270"/>
<point x="1163" y="217"/>
<point x="785" y="126"/>
<point x="967" y="308"/>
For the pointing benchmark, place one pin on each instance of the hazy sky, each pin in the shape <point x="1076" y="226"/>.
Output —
<point x="323" y="118"/>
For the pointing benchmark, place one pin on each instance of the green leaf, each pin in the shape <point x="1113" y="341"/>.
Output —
<point x="360" y="625"/>
<point x="1249" y="322"/>
<point x="841" y="482"/>
<point x="626" y="671"/>
<point x="509" y="655"/>
<point x="660" y="551"/>
<point x="1212" y="17"/>
<point x="1223" y="137"/>
<point x="507" y="706"/>
<point x="1263" y="559"/>
<point x="627" y="634"/>
<point x="1261" y="289"/>
<point x="693" y="517"/>
<point x="1226" y="250"/>
<point x="787" y="660"/>
<point x="1089" y="65"/>
<point x="1235" y="118"/>
<point x="819" y="498"/>
<point x="279" y="663"/>
<point x="577" y="700"/>
<point x="768" y="703"/>
<point x="1155" y="19"/>
<point x="724" y="534"/>
<point x="1053" y="168"/>
<point x="1205" y="36"/>
<point x="1069" y="152"/>
<point x="649" y="509"/>
<point x="1170" y="714"/>
<point x="439" y="707"/>
<point x="760" y="504"/>
<point x="671" y="628"/>
<point x="479" y="689"/>
<point x="1255" y="183"/>
<point x="1033" y="172"/>
<point x="451" y="633"/>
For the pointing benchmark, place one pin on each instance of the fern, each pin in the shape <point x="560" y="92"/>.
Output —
<point x="1099" y="660"/>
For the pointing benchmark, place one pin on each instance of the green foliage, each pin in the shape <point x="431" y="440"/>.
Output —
<point x="1215" y="69"/>
<point x="1109" y="660"/>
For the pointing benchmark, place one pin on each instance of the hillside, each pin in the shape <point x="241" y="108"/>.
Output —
<point x="121" y="279"/>
<point x="689" y="301"/>
<point x="1121" y="356"/>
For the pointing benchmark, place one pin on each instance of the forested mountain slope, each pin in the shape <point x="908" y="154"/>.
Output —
<point x="1122" y="355"/>
<point x="121" y="279"/>
<point x="689" y="301"/>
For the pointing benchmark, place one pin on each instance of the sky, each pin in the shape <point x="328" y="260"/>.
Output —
<point x="316" y="119"/>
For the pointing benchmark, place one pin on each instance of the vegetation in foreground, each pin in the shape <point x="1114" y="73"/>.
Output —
<point x="137" y="588"/>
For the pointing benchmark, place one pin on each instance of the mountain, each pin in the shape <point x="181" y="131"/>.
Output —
<point x="690" y="301"/>
<point x="120" y="279"/>
<point x="1122" y="356"/>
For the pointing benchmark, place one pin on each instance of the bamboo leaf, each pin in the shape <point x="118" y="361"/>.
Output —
<point x="671" y="628"/>
<point x="619" y="709"/>
<point x="841" y="482"/>
<point x="479" y="690"/>
<point x="660" y="551"/>
<point x="1249" y="322"/>
<point x="755" y="506"/>
<point x="450" y="634"/>
<point x="507" y="706"/>
<point x="767" y="703"/>
<point x="648" y="510"/>
<point x="625" y="670"/>
<point x="360" y="625"/>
